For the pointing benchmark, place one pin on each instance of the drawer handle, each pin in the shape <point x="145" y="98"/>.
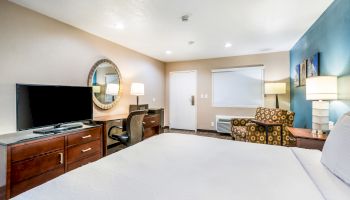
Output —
<point x="61" y="158"/>
<point x="86" y="150"/>
<point x="153" y="122"/>
<point x="143" y="122"/>
<point x="87" y="136"/>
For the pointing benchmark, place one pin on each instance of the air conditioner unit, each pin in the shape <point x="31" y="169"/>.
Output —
<point x="223" y="123"/>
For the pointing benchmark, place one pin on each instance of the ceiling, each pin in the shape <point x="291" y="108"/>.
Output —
<point x="155" y="28"/>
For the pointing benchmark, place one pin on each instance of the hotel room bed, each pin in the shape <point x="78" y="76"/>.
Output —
<point x="187" y="167"/>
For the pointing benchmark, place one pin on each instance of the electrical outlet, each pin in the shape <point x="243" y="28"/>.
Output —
<point x="154" y="99"/>
<point x="212" y="123"/>
<point x="206" y="96"/>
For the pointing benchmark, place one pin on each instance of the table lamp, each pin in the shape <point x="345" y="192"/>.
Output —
<point x="112" y="89"/>
<point x="276" y="89"/>
<point x="96" y="89"/>
<point x="321" y="89"/>
<point x="137" y="89"/>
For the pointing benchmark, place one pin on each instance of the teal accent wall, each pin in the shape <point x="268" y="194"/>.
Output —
<point x="329" y="35"/>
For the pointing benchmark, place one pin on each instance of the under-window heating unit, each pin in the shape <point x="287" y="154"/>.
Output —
<point x="223" y="124"/>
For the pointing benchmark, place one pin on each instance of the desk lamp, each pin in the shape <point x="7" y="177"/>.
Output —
<point x="137" y="89"/>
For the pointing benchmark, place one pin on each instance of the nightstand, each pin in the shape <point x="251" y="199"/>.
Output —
<point x="306" y="139"/>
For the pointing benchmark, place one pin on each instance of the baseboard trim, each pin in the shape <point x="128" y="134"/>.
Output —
<point x="206" y="130"/>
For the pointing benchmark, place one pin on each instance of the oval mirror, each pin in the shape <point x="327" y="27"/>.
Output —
<point x="105" y="80"/>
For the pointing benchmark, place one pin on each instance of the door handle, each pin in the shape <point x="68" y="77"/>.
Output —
<point x="192" y="100"/>
<point x="87" y="136"/>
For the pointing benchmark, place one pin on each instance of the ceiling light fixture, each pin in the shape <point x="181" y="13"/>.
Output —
<point x="119" y="26"/>
<point x="168" y="52"/>
<point x="228" y="45"/>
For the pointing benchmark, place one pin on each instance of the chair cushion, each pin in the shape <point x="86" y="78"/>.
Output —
<point x="336" y="151"/>
<point x="271" y="114"/>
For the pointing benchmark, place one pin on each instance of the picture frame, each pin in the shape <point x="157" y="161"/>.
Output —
<point x="303" y="69"/>
<point x="313" y="67"/>
<point x="297" y="76"/>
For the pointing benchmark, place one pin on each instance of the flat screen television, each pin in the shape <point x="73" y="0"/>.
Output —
<point x="46" y="105"/>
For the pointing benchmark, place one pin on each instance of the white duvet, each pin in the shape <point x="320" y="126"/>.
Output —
<point x="187" y="167"/>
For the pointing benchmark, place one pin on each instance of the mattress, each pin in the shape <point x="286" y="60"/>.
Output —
<point x="188" y="167"/>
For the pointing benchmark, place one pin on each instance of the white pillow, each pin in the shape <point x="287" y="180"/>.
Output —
<point x="336" y="151"/>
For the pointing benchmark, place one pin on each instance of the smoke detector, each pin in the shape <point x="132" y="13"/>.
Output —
<point x="185" y="18"/>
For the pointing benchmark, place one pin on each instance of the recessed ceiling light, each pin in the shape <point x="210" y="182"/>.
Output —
<point x="119" y="26"/>
<point x="228" y="45"/>
<point x="168" y="52"/>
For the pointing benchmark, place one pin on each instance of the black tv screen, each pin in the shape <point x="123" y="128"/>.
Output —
<point x="44" y="105"/>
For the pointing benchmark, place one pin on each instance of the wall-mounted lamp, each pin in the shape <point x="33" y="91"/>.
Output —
<point x="321" y="89"/>
<point x="276" y="89"/>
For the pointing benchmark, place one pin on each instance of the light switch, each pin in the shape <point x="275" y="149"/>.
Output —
<point x="206" y="96"/>
<point x="154" y="99"/>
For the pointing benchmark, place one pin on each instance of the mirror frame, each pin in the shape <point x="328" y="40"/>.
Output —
<point x="90" y="78"/>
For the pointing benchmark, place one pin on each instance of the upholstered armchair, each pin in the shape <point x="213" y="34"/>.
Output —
<point x="245" y="130"/>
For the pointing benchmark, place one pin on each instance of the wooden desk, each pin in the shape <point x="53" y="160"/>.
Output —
<point x="268" y="124"/>
<point x="306" y="139"/>
<point x="151" y="124"/>
<point x="107" y="122"/>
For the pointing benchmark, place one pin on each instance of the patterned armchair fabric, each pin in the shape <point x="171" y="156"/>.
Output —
<point x="244" y="130"/>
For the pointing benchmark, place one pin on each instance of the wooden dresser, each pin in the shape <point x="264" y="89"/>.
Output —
<point x="31" y="162"/>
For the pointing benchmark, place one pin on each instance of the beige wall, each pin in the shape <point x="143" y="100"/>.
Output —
<point x="39" y="50"/>
<point x="276" y="70"/>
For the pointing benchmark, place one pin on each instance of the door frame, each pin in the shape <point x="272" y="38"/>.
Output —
<point x="195" y="96"/>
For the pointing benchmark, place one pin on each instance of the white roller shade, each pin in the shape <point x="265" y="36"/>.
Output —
<point x="238" y="87"/>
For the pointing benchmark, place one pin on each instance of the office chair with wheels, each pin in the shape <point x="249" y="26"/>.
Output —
<point x="134" y="129"/>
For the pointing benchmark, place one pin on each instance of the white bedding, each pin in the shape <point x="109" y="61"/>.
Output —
<point x="187" y="167"/>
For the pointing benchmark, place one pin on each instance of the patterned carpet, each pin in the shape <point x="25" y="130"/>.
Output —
<point x="200" y="133"/>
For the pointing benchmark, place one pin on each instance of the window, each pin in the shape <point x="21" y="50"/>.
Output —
<point x="238" y="87"/>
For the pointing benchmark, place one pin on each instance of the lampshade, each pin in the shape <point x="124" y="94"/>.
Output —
<point x="322" y="88"/>
<point x="112" y="89"/>
<point x="137" y="89"/>
<point x="275" y="88"/>
<point x="96" y="89"/>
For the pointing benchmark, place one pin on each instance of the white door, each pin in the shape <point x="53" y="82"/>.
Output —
<point x="182" y="100"/>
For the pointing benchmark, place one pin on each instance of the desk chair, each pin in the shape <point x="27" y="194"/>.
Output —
<point x="134" y="129"/>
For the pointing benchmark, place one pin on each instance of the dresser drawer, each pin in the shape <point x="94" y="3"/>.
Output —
<point x="82" y="151"/>
<point x="23" y="170"/>
<point x="83" y="137"/>
<point x="84" y="161"/>
<point x="31" y="149"/>
<point x="151" y="121"/>
<point x="35" y="181"/>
